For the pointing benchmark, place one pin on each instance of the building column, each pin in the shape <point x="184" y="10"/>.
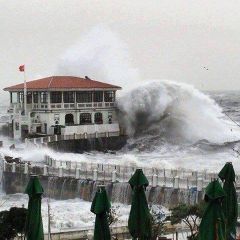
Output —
<point x="32" y="100"/>
<point x="92" y="116"/>
<point x="75" y="98"/>
<point x="11" y="98"/>
<point x="39" y="99"/>
<point x="48" y="99"/>
<point x="103" y="97"/>
<point x="62" y="104"/>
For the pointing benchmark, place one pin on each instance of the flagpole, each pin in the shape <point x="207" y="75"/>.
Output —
<point x="25" y="92"/>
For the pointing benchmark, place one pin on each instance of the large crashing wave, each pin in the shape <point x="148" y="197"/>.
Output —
<point x="176" y="112"/>
<point x="169" y="110"/>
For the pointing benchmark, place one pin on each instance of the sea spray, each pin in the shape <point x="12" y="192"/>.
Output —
<point x="174" y="111"/>
<point x="169" y="124"/>
<point x="102" y="55"/>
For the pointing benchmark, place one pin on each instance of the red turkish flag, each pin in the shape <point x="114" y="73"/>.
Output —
<point x="21" y="68"/>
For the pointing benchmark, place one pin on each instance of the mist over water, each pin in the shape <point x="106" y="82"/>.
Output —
<point x="100" y="55"/>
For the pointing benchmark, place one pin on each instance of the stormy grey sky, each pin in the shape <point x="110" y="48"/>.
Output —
<point x="175" y="39"/>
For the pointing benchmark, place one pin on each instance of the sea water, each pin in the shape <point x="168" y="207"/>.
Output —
<point x="170" y="126"/>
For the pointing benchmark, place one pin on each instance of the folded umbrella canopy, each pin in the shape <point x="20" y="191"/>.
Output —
<point x="230" y="206"/>
<point x="212" y="226"/>
<point x="101" y="206"/>
<point x="139" y="222"/>
<point x="34" y="226"/>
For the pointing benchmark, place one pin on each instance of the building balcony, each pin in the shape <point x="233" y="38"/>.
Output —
<point x="19" y="107"/>
<point x="52" y="106"/>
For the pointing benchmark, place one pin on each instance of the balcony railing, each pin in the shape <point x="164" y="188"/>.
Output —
<point x="43" y="106"/>
<point x="74" y="105"/>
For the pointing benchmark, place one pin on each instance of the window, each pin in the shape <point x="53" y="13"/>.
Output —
<point x="68" y="97"/>
<point x="109" y="96"/>
<point x="98" y="118"/>
<point x="39" y="129"/>
<point x="35" y="97"/>
<point x="16" y="126"/>
<point x="83" y="97"/>
<point x="85" y="118"/>
<point x="43" y="97"/>
<point x="29" y="97"/>
<point x="56" y="97"/>
<point x="56" y="118"/>
<point x="69" y="119"/>
<point x="110" y="117"/>
<point x="14" y="97"/>
<point x="98" y="96"/>
<point x="45" y="128"/>
<point x="20" y="97"/>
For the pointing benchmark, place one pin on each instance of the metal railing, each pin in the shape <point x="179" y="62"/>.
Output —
<point x="72" y="105"/>
<point x="176" y="178"/>
<point x="171" y="178"/>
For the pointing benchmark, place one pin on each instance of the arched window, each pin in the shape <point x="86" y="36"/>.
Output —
<point x="85" y="118"/>
<point x="98" y="118"/>
<point x="69" y="120"/>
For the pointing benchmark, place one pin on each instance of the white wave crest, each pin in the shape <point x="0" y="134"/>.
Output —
<point x="176" y="111"/>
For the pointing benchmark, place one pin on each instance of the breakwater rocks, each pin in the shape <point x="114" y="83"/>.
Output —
<point x="68" y="188"/>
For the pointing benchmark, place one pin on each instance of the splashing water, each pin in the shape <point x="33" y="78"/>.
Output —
<point x="175" y="111"/>
<point x="100" y="55"/>
<point x="169" y="123"/>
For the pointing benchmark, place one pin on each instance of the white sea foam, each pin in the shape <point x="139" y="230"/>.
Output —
<point x="65" y="214"/>
<point x="175" y="111"/>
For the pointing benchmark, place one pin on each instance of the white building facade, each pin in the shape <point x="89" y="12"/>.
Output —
<point x="63" y="105"/>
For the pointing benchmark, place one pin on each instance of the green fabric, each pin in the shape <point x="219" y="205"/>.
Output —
<point x="34" y="226"/>
<point x="138" y="179"/>
<point x="139" y="222"/>
<point x="101" y="206"/>
<point x="230" y="206"/>
<point x="212" y="226"/>
<point x="214" y="191"/>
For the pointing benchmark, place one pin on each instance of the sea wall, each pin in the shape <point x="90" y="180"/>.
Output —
<point x="69" y="188"/>
<point x="113" y="143"/>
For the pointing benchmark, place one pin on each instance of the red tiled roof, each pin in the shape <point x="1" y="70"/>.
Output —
<point x="62" y="82"/>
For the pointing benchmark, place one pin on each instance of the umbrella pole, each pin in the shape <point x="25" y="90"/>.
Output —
<point x="49" y="226"/>
<point x="215" y="232"/>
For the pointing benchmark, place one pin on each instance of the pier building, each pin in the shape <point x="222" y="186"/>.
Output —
<point x="63" y="105"/>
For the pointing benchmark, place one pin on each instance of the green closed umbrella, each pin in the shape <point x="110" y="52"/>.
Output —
<point x="230" y="206"/>
<point x="101" y="206"/>
<point x="34" y="226"/>
<point x="212" y="226"/>
<point x="139" y="222"/>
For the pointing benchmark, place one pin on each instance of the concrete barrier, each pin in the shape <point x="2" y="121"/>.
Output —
<point x="120" y="233"/>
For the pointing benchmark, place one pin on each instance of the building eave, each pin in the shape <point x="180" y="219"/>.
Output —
<point x="60" y="89"/>
<point x="62" y="83"/>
